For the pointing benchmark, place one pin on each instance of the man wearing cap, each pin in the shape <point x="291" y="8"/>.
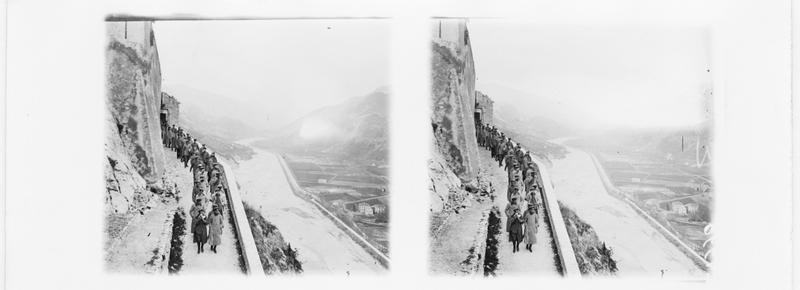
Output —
<point x="218" y="200"/>
<point x="511" y="207"/>
<point x="510" y="161"/>
<point x="527" y="163"/>
<point x="530" y="187"/>
<point x="187" y="150"/>
<point x="196" y="207"/>
<point x="179" y="144"/>
<point x="518" y="152"/>
<point x="531" y="221"/>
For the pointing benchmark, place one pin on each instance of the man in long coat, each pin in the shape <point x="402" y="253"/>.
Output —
<point x="531" y="219"/>
<point x="215" y="225"/>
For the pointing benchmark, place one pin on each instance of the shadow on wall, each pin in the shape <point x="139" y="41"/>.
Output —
<point x="453" y="101"/>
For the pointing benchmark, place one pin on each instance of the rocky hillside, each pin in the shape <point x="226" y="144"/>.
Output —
<point x="353" y="130"/>
<point x="133" y="144"/>
<point x="444" y="184"/>
<point x="453" y="99"/>
<point x="454" y="160"/>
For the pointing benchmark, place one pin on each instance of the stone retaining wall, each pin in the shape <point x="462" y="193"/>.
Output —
<point x="244" y="234"/>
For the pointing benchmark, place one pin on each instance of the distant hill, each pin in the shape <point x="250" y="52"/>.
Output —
<point x="355" y="130"/>
<point x="214" y="114"/>
<point x="535" y="120"/>
<point x="533" y="130"/>
<point x="545" y="116"/>
<point x="223" y="127"/>
<point x="676" y="144"/>
<point x="511" y="118"/>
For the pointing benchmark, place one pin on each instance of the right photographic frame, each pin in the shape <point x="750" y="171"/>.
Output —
<point x="571" y="150"/>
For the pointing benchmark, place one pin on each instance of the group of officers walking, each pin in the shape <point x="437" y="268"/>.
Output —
<point x="524" y="185"/>
<point x="208" y="209"/>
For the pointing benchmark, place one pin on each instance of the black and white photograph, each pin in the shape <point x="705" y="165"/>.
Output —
<point x="571" y="150"/>
<point x="399" y="145"/>
<point x="235" y="146"/>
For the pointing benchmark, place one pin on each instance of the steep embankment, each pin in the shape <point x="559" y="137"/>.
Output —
<point x="445" y="185"/>
<point x="453" y="99"/>
<point x="133" y="144"/>
<point x="455" y="152"/>
<point x="137" y="207"/>
<point x="459" y="191"/>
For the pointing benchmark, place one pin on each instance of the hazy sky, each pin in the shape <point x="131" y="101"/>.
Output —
<point x="599" y="76"/>
<point x="278" y="69"/>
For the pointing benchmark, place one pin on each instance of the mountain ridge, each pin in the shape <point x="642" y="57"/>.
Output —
<point x="355" y="129"/>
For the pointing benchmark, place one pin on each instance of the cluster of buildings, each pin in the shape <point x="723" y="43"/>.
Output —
<point x="682" y="209"/>
<point x="367" y="209"/>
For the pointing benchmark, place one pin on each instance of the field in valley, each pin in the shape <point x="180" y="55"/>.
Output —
<point x="678" y="195"/>
<point x="356" y="192"/>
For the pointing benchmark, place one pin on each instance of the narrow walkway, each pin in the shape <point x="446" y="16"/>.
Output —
<point x="226" y="260"/>
<point x="540" y="262"/>
<point x="131" y="252"/>
<point x="451" y="244"/>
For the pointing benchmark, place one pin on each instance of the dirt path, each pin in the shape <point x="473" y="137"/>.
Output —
<point x="450" y="245"/>
<point x="136" y="245"/>
<point x="541" y="261"/>
<point x="322" y="246"/>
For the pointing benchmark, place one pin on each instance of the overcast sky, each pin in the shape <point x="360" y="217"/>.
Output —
<point x="600" y="76"/>
<point x="282" y="69"/>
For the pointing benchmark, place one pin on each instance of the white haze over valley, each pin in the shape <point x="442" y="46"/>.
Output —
<point x="266" y="74"/>
<point x="595" y="78"/>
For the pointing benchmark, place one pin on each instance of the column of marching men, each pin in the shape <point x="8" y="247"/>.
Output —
<point x="524" y="185"/>
<point x="208" y="210"/>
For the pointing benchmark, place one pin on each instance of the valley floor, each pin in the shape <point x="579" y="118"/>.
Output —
<point x="638" y="248"/>
<point x="322" y="246"/>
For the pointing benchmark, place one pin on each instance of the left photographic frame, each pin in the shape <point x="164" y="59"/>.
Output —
<point x="246" y="146"/>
